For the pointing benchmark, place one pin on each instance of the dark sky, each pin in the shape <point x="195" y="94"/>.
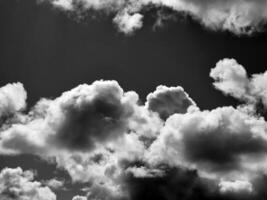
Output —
<point x="50" y="52"/>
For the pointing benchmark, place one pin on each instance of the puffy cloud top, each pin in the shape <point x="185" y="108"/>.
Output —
<point x="12" y="99"/>
<point x="221" y="141"/>
<point x="102" y="135"/>
<point x="168" y="100"/>
<point x="90" y="114"/>
<point x="237" y="16"/>
<point x="16" y="184"/>
<point x="231" y="78"/>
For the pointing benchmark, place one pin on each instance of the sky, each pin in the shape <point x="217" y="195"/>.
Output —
<point x="139" y="99"/>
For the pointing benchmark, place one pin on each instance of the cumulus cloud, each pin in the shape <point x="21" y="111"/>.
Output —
<point x="16" y="184"/>
<point x="237" y="16"/>
<point x="12" y="99"/>
<point x="168" y="100"/>
<point x="231" y="78"/>
<point x="87" y="130"/>
<point x="106" y="138"/>
<point x="91" y="114"/>
<point x="128" y="23"/>
<point x="222" y="141"/>
<point x="79" y="119"/>
<point x="236" y="186"/>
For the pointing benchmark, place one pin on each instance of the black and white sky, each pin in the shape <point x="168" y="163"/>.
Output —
<point x="133" y="100"/>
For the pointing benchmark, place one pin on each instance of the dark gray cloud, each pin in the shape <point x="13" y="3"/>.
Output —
<point x="168" y="100"/>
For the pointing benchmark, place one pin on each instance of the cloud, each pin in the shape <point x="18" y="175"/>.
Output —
<point x="238" y="17"/>
<point x="90" y="114"/>
<point x="54" y="183"/>
<point x="16" y="184"/>
<point x="120" y="148"/>
<point x="79" y="119"/>
<point x="223" y="142"/>
<point x="236" y="186"/>
<point x="12" y="99"/>
<point x="168" y="100"/>
<point x="85" y="131"/>
<point x="79" y="198"/>
<point x="231" y="78"/>
<point x="101" y="192"/>
<point x="128" y="23"/>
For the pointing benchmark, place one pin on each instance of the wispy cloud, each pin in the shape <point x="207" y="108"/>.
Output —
<point x="237" y="16"/>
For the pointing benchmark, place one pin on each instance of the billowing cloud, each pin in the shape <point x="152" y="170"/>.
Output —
<point x="90" y="114"/>
<point x="79" y="119"/>
<point x="168" y="100"/>
<point x="237" y="16"/>
<point x="223" y="140"/>
<point x="231" y="78"/>
<point x="106" y="138"/>
<point x="16" y="184"/>
<point x="128" y="23"/>
<point x="12" y="99"/>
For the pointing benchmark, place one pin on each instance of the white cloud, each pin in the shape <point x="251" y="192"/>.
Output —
<point x="259" y="87"/>
<point x="237" y="16"/>
<point x="231" y="78"/>
<point x="237" y="186"/>
<point x="16" y="184"/>
<point x="128" y="23"/>
<point x="101" y="134"/>
<point x="80" y="119"/>
<point x="12" y="99"/>
<point x="218" y="143"/>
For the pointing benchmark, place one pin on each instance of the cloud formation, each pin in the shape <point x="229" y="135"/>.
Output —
<point x="221" y="143"/>
<point x="231" y="78"/>
<point x="12" y="99"/>
<point x="235" y="187"/>
<point x="237" y="16"/>
<point x="169" y="100"/>
<point x="16" y="184"/>
<point x="123" y="149"/>
<point x="79" y="119"/>
<point x="91" y="114"/>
